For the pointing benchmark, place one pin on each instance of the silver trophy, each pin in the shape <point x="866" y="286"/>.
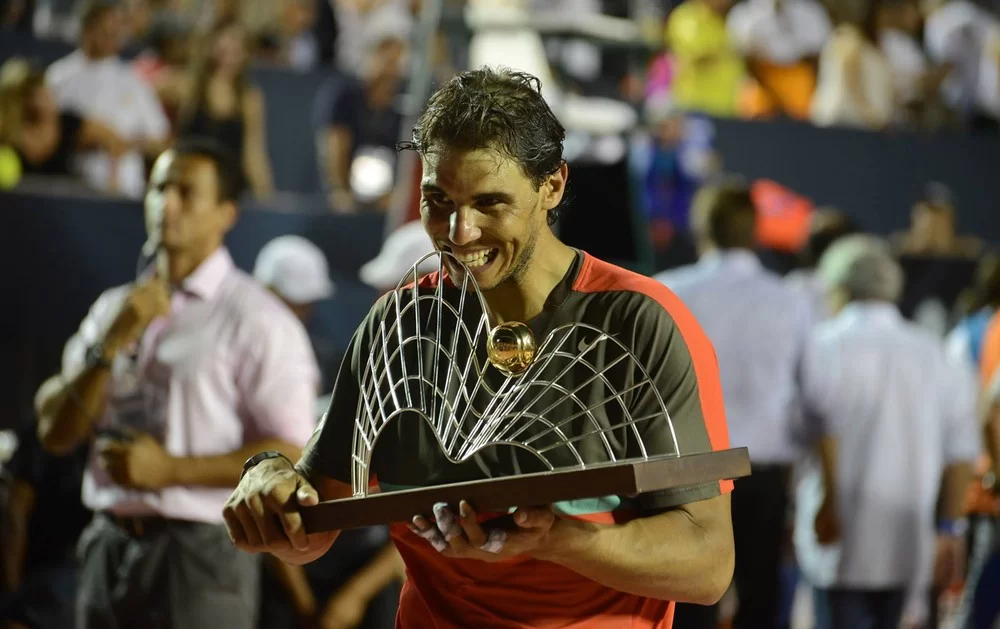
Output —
<point x="561" y="406"/>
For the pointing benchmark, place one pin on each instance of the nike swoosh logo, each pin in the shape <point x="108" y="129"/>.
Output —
<point x="584" y="345"/>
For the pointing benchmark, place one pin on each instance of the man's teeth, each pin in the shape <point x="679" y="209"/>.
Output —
<point x="472" y="260"/>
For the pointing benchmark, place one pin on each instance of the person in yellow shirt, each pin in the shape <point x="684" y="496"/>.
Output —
<point x="710" y="72"/>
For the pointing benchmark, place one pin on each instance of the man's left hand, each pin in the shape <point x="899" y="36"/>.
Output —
<point x="460" y="535"/>
<point x="137" y="463"/>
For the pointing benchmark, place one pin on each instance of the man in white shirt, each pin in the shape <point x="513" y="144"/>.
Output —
<point x="893" y="425"/>
<point x="95" y="83"/>
<point x="759" y="326"/>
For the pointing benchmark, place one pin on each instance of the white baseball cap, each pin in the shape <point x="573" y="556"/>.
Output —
<point x="294" y="268"/>
<point x="401" y="249"/>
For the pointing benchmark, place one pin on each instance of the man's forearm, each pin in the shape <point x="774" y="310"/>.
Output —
<point x="827" y="451"/>
<point x="67" y="410"/>
<point x="223" y="470"/>
<point x="678" y="555"/>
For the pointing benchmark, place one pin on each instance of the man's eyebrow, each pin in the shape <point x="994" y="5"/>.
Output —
<point x="502" y="197"/>
<point x="429" y="187"/>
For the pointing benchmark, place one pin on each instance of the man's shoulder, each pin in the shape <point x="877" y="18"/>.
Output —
<point x="637" y="300"/>
<point x="64" y="68"/>
<point x="598" y="276"/>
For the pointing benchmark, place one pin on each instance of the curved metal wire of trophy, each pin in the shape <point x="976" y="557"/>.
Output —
<point x="435" y="353"/>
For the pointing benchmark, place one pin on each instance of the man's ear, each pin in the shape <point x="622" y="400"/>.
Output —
<point x="229" y="214"/>
<point x="554" y="187"/>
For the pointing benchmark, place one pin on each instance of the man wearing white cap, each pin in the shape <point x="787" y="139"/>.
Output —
<point x="401" y="249"/>
<point x="296" y="270"/>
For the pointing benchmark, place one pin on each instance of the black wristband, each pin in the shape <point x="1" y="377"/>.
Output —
<point x="263" y="456"/>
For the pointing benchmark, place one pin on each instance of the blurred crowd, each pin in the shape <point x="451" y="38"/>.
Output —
<point x="146" y="75"/>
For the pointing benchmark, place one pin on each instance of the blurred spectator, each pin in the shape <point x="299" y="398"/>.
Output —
<point x="399" y="253"/>
<point x="298" y="43"/>
<point x="162" y="64"/>
<point x="359" y="123"/>
<point x="827" y="226"/>
<point x="16" y="15"/>
<point x="780" y="40"/>
<point x="933" y="228"/>
<point x="671" y="163"/>
<point x="95" y="83"/>
<point x="855" y="87"/>
<point x="46" y="140"/>
<point x="182" y="375"/>
<point x="965" y="344"/>
<point x="709" y="71"/>
<point x="885" y="409"/>
<point x="295" y="270"/>
<point x="218" y="101"/>
<point x="965" y="36"/>
<point x="758" y="327"/>
<point x="42" y="519"/>
<point x="916" y="81"/>
<point x="362" y="24"/>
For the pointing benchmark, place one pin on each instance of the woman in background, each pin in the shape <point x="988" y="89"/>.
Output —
<point x="44" y="138"/>
<point x="217" y="100"/>
<point x="855" y="86"/>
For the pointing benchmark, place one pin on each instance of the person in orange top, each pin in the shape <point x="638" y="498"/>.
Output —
<point x="493" y="181"/>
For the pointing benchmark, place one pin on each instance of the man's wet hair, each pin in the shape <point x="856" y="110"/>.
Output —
<point x="500" y="109"/>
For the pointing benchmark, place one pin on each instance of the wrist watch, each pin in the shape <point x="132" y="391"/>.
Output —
<point x="261" y="457"/>
<point x="95" y="357"/>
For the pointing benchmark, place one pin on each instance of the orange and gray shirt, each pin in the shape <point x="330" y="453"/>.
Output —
<point x="653" y="324"/>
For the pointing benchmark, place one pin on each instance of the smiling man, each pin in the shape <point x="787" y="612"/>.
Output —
<point x="493" y="180"/>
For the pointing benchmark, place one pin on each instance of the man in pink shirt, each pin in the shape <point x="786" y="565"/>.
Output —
<point x="180" y="377"/>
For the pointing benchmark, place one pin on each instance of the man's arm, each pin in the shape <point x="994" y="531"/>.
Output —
<point x="70" y="403"/>
<point x="683" y="554"/>
<point x="68" y="409"/>
<point x="224" y="470"/>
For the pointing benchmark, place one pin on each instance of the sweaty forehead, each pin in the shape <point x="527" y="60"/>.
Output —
<point x="468" y="172"/>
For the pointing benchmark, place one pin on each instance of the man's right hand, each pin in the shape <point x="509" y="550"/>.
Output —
<point x="262" y="514"/>
<point x="147" y="301"/>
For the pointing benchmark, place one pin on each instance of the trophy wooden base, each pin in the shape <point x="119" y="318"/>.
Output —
<point x="500" y="494"/>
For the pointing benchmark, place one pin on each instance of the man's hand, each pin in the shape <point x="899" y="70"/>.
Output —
<point x="262" y="514"/>
<point x="147" y="301"/>
<point x="463" y="536"/>
<point x="139" y="462"/>
<point x="827" y="523"/>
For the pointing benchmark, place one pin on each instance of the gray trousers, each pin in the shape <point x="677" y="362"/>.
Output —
<point x="180" y="575"/>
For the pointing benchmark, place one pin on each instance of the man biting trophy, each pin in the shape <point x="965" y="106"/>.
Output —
<point x="623" y="373"/>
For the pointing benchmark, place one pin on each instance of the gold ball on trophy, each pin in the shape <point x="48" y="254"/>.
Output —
<point x="511" y="347"/>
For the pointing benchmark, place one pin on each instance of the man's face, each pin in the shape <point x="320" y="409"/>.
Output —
<point x="183" y="199"/>
<point x="480" y="206"/>
<point x="104" y="37"/>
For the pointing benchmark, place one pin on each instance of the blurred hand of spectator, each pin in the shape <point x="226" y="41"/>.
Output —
<point x="146" y="302"/>
<point x="949" y="561"/>
<point x="139" y="462"/>
<point x="827" y="523"/>
<point x="345" y="610"/>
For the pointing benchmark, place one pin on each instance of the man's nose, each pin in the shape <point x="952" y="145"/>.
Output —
<point x="463" y="229"/>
